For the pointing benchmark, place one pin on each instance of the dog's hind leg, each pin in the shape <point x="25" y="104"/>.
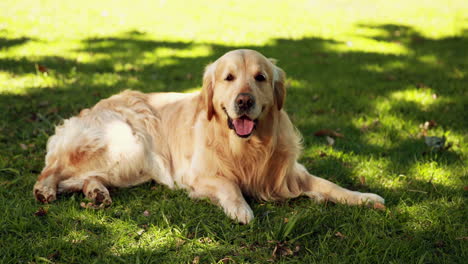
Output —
<point x="45" y="189"/>
<point x="95" y="190"/>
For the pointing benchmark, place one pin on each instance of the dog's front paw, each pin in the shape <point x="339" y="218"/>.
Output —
<point x="371" y="199"/>
<point x="241" y="213"/>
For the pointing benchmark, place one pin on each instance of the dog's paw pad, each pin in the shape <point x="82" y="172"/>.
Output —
<point x="100" y="197"/>
<point x="45" y="195"/>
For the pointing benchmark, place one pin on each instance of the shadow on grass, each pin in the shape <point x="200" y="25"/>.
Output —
<point x="6" y="43"/>
<point x="338" y="85"/>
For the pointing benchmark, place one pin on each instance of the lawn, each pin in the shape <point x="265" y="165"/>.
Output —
<point x="385" y="74"/>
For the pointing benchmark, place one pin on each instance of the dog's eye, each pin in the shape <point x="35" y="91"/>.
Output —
<point x="229" y="78"/>
<point x="260" y="77"/>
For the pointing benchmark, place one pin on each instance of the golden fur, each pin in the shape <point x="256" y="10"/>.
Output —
<point x="191" y="141"/>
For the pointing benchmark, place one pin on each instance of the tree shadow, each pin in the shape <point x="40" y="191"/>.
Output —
<point x="6" y="43"/>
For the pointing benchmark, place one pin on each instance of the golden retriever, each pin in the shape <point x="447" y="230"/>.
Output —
<point x="231" y="139"/>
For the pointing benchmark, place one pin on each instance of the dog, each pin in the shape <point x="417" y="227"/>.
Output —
<point x="232" y="138"/>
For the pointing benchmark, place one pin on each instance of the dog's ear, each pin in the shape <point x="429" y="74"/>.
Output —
<point x="279" y="86"/>
<point x="208" y="90"/>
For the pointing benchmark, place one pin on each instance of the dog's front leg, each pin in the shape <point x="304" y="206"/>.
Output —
<point x="225" y="193"/>
<point x="322" y="190"/>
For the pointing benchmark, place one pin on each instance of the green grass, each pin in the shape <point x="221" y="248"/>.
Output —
<point x="348" y="63"/>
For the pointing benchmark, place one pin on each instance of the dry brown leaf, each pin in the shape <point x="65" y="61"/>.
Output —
<point x="179" y="242"/>
<point x="340" y="235"/>
<point x="281" y="249"/>
<point x="330" y="140"/>
<point x="421" y="85"/>
<point x="41" y="212"/>
<point x="89" y="205"/>
<point x="42" y="68"/>
<point x="225" y="260"/>
<point x="328" y="132"/>
<point x="23" y="146"/>
<point x="362" y="179"/>
<point x="319" y="112"/>
<point x="370" y="126"/>
<point x="146" y="213"/>
<point x="436" y="143"/>
<point x="390" y="77"/>
<point x="54" y="256"/>
<point x="196" y="260"/>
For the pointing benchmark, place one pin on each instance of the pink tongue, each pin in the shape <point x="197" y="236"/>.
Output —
<point x="243" y="126"/>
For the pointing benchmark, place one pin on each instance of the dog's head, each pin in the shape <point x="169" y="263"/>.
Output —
<point x="242" y="87"/>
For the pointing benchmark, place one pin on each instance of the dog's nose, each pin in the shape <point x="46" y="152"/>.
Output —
<point x="245" y="101"/>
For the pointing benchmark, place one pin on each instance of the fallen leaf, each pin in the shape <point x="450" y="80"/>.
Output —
<point x="328" y="132"/>
<point x="54" y="256"/>
<point x="362" y="179"/>
<point x="322" y="154"/>
<point x="42" y="68"/>
<point x="297" y="248"/>
<point x="205" y="240"/>
<point x="390" y="77"/>
<point x="196" y="260"/>
<point x="370" y="126"/>
<point x="225" y="260"/>
<point x="465" y="188"/>
<point x="281" y="249"/>
<point x="179" y="242"/>
<point x="421" y="85"/>
<point x="89" y="205"/>
<point x="23" y="146"/>
<point x="52" y="110"/>
<point x="319" y="112"/>
<point x="146" y="213"/>
<point x="140" y="232"/>
<point x="41" y="212"/>
<point x="43" y="103"/>
<point x="436" y="143"/>
<point x="439" y="244"/>
<point x="428" y="125"/>
<point x="330" y="140"/>
<point x="339" y="235"/>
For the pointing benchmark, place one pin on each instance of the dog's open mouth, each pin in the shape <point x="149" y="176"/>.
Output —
<point x="243" y="126"/>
